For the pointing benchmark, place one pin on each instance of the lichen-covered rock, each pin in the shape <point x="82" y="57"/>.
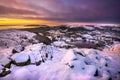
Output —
<point x="4" y="71"/>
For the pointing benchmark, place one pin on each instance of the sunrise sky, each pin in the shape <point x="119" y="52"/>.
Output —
<point x="59" y="11"/>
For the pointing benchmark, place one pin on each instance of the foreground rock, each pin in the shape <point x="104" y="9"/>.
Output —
<point x="20" y="59"/>
<point x="4" y="71"/>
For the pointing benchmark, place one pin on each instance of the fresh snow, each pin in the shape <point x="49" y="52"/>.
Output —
<point x="88" y="28"/>
<point x="60" y="44"/>
<point x="54" y="62"/>
<point x="74" y="64"/>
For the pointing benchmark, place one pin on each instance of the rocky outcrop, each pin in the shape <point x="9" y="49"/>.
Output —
<point x="20" y="59"/>
<point x="43" y="39"/>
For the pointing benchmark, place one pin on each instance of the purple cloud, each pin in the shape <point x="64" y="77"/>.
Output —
<point x="64" y="10"/>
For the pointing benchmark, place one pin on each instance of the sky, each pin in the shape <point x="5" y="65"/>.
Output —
<point x="59" y="11"/>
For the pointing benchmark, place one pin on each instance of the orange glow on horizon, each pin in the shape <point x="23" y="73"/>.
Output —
<point x="7" y="21"/>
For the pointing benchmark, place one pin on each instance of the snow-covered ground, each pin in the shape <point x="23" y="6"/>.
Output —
<point x="36" y="63"/>
<point x="33" y="60"/>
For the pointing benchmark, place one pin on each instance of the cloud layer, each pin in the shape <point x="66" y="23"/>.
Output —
<point x="62" y="10"/>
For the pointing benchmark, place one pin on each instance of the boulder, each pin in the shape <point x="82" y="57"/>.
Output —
<point x="20" y="59"/>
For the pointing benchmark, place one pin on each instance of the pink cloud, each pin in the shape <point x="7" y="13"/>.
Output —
<point x="63" y="10"/>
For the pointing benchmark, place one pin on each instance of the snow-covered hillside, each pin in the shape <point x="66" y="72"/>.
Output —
<point x="11" y="38"/>
<point x="28" y="56"/>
